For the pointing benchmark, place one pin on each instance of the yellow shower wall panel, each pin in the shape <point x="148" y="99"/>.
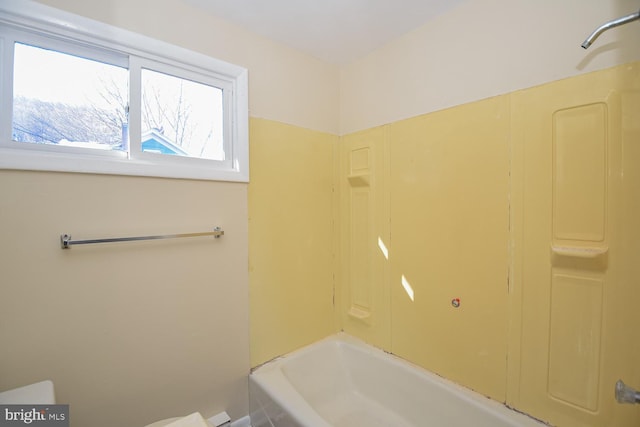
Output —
<point x="364" y="221"/>
<point x="579" y="172"/>
<point x="630" y="238"/>
<point x="574" y="145"/>
<point x="290" y="238"/>
<point x="574" y="339"/>
<point x="360" y="277"/>
<point x="450" y="229"/>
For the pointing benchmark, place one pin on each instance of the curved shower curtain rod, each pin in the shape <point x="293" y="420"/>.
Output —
<point x="608" y="25"/>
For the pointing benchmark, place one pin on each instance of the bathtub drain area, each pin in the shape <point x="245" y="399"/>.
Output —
<point x="355" y="410"/>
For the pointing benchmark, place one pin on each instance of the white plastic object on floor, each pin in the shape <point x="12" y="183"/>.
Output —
<point x="33" y="394"/>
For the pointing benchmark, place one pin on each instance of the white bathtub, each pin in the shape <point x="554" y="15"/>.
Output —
<point x="342" y="382"/>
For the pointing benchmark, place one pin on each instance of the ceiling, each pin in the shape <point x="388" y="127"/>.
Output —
<point x="336" y="31"/>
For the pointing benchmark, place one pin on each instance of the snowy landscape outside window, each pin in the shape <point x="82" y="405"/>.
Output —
<point x="67" y="100"/>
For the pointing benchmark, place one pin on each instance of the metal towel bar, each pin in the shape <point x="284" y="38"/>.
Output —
<point x="66" y="242"/>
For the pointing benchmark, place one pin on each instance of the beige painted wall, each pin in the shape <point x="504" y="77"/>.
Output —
<point x="133" y="332"/>
<point x="284" y="85"/>
<point x="481" y="49"/>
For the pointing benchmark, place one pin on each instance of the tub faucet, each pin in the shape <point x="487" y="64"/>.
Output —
<point x="626" y="394"/>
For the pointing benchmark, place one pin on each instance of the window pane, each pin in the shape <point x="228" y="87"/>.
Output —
<point x="181" y="117"/>
<point x="67" y="100"/>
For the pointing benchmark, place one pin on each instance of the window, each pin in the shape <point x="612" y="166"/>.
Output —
<point x="80" y="96"/>
<point x="187" y="113"/>
<point x="67" y="100"/>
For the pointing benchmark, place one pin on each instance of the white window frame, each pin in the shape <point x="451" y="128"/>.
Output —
<point x="27" y="21"/>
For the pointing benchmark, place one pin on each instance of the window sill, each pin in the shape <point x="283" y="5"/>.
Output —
<point x="17" y="159"/>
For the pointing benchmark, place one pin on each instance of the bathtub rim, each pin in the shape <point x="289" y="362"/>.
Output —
<point x="272" y="380"/>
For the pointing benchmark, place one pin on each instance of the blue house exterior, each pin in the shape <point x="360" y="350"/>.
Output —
<point x="155" y="142"/>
